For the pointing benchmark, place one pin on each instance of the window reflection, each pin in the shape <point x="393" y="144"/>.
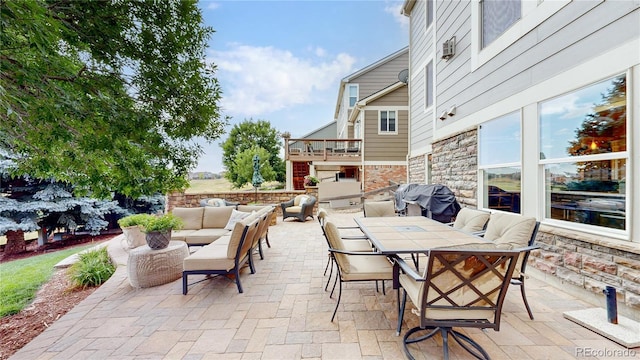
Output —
<point x="502" y="189"/>
<point x="590" y="192"/>
<point x="586" y="122"/>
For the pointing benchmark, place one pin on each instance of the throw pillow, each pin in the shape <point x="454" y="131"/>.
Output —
<point x="234" y="218"/>
<point x="216" y="202"/>
<point x="303" y="200"/>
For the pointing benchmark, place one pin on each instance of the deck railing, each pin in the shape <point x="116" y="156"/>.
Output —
<point x="323" y="149"/>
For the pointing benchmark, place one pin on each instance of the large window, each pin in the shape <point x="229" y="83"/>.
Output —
<point x="583" y="149"/>
<point x="499" y="163"/>
<point x="387" y="121"/>
<point x="497" y="17"/>
<point x="428" y="83"/>
<point x="353" y="95"/>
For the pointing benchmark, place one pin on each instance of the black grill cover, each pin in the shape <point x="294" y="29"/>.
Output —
<point x="436" y="201"/>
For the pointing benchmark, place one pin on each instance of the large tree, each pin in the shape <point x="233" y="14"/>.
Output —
<point x="106" y="95"/>
<point x="244" y="136"/>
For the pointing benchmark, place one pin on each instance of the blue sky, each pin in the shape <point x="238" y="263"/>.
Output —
<point x="282" y="61"/>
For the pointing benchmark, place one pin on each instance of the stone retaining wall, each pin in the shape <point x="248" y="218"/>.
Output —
<point x="242" y="197"/>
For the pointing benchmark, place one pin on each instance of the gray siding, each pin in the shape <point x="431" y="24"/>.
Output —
<point x="381" y="77"/>
<point x="421" y="50"/>
<point x="385" y="147"/>
<point x="579" y="31"/>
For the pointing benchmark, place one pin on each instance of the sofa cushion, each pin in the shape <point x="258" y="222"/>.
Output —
<point x="236" y="235"/>
<point x="191" y="217"/>
<point x="234" y="218"/>
<point x="294" y="209"/>
<point x="208" y="258"/>
<point x="251" y="208"/>
<point x="205" y="236"/>
<point x="216" y="217"/>
<point x="181" y="235"/>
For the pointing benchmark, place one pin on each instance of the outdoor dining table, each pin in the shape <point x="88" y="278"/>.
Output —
<point x="394" y="236"/>
<point x="412" y="234"/>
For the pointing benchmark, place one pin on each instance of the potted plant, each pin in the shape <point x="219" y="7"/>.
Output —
<point x="310" y="180"/>
<point x="158" y="230"/>
<point x="132" y="226"/>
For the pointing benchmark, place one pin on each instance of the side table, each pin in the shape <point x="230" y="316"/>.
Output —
<point x="147" y="267"/>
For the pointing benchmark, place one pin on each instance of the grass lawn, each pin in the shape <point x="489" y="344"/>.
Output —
<point x="21" y="279"/>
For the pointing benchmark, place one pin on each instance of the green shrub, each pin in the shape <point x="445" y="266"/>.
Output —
<point x="163" y="223"/>
<point x="93" y="268"/>
<point x="133" y="220"/>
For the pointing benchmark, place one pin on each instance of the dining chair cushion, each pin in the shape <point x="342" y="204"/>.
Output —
<point x="368" y="267"/>
<point x="191" y="217"/>
<point x="357" y="245"/>
<point x="335" y="241"/>
<point x="510" y="231"/>
<point x="470" y="220"/>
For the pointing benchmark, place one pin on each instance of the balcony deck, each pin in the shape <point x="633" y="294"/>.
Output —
<point x="340" y="150"/>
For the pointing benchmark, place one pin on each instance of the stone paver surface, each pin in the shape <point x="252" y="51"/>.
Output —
<point x="284" y="313"/>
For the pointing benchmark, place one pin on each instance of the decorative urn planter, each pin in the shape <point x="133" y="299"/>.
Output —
<point x="158" y="240"/>
<point x="134" y="236"/>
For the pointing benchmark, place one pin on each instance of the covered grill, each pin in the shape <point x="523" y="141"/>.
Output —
<point x="436" y="201"/>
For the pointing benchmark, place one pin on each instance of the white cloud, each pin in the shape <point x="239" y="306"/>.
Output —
<point x="257" y="80"/>
<point x="395" y="9"/>
<point x="212" y="5"/>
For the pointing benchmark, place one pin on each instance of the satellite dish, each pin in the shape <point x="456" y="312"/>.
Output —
<point x="403" y="76"/>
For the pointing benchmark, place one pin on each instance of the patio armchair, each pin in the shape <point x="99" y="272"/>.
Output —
<point x="354" y="265"/>
<point x="300" y="207"/>
<point x="458" y="288"/>
<point x="509" y="231"/>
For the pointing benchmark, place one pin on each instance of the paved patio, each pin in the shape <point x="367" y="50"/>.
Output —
<point x="284" y="313"/>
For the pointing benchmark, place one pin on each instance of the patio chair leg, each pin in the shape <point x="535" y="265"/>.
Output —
<point x="251" y="266"/>
<point x="266" y="237"/>
<point x="237" y="274"/>
<point x="184" y="284"/>
<point x="327" y="266"/>
<point x="260" y="250"/>
<point x="338" y="302"/>
<point x="475" y="349"/>
<point x="524" y="298"/>
<point x="335" y="281"/>
<point x="330" y="274"/>
<point x="401" y="306"/>
<point x="406" y="341"/>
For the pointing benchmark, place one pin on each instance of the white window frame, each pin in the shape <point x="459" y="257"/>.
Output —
<point x="533" y="14"/>
<point x="429" y="17"/>
<point x="380" y="132"/>
<point x="428" y="86"/>
<point x="357" y="87"/>
<point x="481" y="168"/>
<point x="621" y="155"/>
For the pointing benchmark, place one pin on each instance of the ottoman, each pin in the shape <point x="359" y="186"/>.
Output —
<point x="147" y="267"/>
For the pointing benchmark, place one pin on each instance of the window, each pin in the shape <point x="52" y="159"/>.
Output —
<point x="497" y="17"/>
<point x="583" y="146"/>
<point x="387" y="121"/>
<point x="499" y="163"/>
<point x="429" y="14"/>
<point x="353" y="95"/>
<point x="428" y="83"/>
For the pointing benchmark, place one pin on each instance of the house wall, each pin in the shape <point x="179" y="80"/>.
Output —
<point x="386" y="147"/>
<point x="586" y="261"/>
<point x="420" y="53"/>
<point x="581" y="43"/>
<point x="416" y="172"/>
<point x="379" y="176"/>
<point x="382" y="76"/>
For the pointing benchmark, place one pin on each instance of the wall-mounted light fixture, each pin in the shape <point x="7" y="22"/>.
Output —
<point x="443" y="116"/>
<point x="452" y="111"/>
<point x="449" y="48"/>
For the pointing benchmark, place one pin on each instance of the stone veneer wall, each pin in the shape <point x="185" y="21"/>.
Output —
<point x="379" y="176"/>
<point x="243" y="197"/>
<point x="417" y="171"/>
<point x="566" y="257"/>
<point x="454" y="164"/>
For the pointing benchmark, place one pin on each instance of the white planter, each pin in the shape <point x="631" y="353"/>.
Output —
<point x="134" y="236"/>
